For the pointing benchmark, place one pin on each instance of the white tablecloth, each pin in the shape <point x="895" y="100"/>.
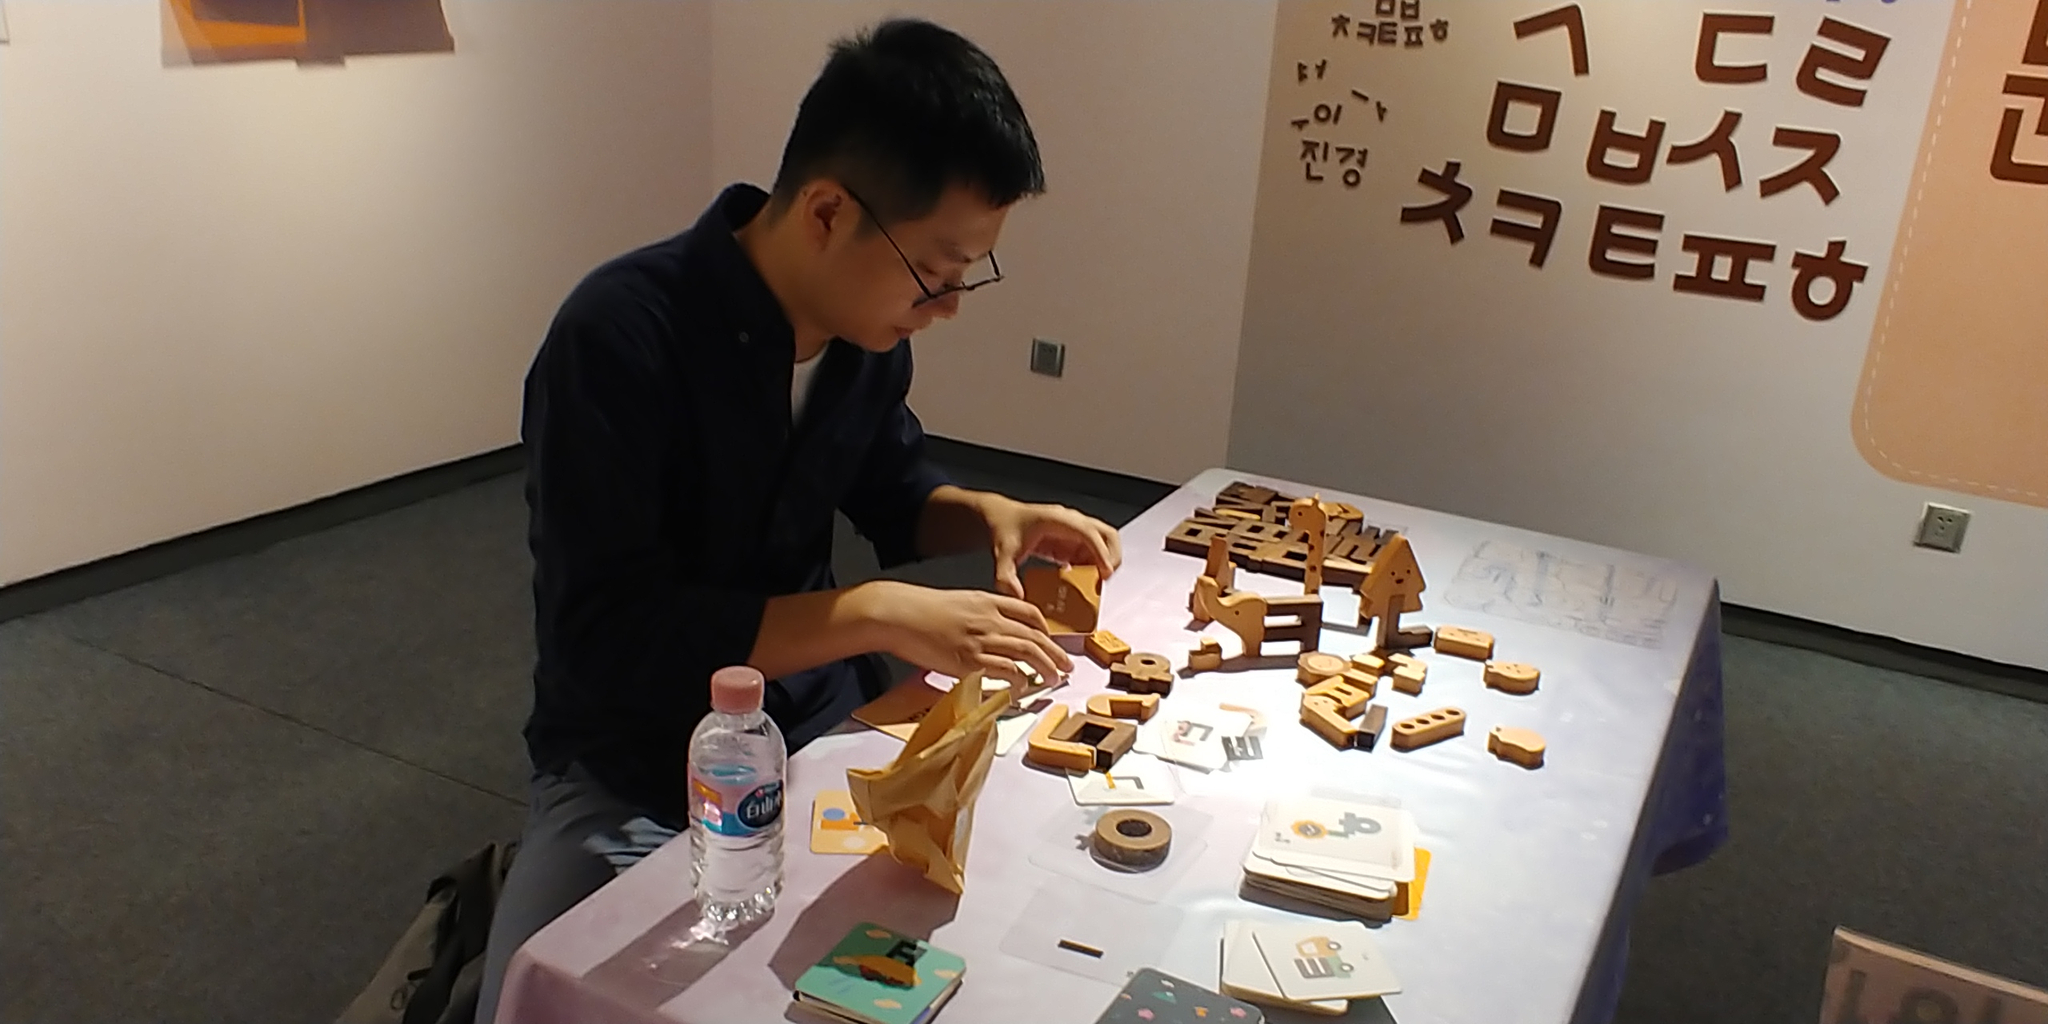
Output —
<point x="1534" y="873"/>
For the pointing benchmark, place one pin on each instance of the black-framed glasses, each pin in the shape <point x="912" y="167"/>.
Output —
<point x="983" y="279"/>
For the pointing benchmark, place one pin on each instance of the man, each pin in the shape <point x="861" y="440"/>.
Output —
<point x="699" y="410"/>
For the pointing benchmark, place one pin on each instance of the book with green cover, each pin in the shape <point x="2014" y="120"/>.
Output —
<point x="878" y="976"/>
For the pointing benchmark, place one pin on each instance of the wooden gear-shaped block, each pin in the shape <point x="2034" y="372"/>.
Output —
<point x="1313" y="667"/>
<point x="1143" y="673"/>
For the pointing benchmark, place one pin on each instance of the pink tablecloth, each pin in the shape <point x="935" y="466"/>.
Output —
<point x="1533" y="877"/>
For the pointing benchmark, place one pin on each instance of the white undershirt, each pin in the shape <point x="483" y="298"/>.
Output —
<point x="800" y="386"/>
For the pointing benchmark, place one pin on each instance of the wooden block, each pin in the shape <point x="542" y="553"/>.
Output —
<point x="1409" y="678"/>
<point x="1244" y="613"/>
<point x="1107" y="737"/>
<point x="1143" y="673"/>
<point x="1520" y="746"/>
<point x="1207" y="657"/>
<point x="1363" y="680"/>
<point x="1191" y="537"/>
<point x="1041" y="749"/>
<point x="1313" y="667"/>
<point x="1104" y="646"/>
<point x="1070" y="596"/>
<point x="1239" y="514"/>
<point x="1240" y="492"/>
<point x="1245" y="539"/>
<point x="1371" y="664"/>
<point x="1460" y="642"/>
<point x="1298" y="618"/>
<point x="1138" y="707"/>
<point x="1322" y="718"/>
<point x="1512" y="676"/>
<point x="1218" y="565"/>
<point x="1375" y="724"/>
<point x="1346" y="695"/>
<point x="1306" y="515"/>
<point x="1425" y="729"/>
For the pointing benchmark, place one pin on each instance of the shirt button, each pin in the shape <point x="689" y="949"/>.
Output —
<point x="744" y="338"/>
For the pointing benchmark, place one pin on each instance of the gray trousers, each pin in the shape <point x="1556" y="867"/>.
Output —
<point x="578" y="836"/>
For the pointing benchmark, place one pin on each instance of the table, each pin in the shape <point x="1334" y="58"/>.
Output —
<point x="1535" y="874"/>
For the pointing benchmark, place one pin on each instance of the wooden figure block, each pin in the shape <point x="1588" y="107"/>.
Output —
<point x="1041" y="749"/>
<point x="1314" y="666"/>
<point x="1207" y="657"/>
<point x="1244" y="613"/>
<point x="1109" y="738"/>
<point x="1460" y="642"/>
<point x="1135" y="706"/>
<point x="1070" y="596"/>
<point x="1143" y="673"/>
<point x="1307" y="516"/>
<point x="1362" y="680"/>
<point x="1393" y="588"/>
<point x="1104" y="646"/>
<point x="1425" y="729"/>
<point x="1512" y="676"/>
<point x="1322" y="718"/>
<point x="1520" y="746"/>
<point x="1375" y="724"/>
<point x="1349" y="698"/>
<point x="1370" y="664"/>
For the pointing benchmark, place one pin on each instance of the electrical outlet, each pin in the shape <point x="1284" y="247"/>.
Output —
<point x="1048" y="357"/>
<point x="1942" y="526"/>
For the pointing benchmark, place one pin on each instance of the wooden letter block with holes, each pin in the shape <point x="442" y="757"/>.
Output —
<point x="1314" y="666"/>
<point x="1206" y="657"/>
<point x="1302" y="621"/>
<point x="1512" y="677"/>
<point x="1425" y="729"/>
<point x="1143" y="673"/>
<point x="1322" y="718"/>
<point x="1519" y="746"/>
<point x="1139" y="707"/>
<point x="1370" y="730"/>
<point x="1350" y="700"/>
<point x="1105" y="648"/>
<point x="1108" y="738"/>
<point x="1460" y="642"/>
<point x="1070" y="596"/>
<point x="1041" y="749"/>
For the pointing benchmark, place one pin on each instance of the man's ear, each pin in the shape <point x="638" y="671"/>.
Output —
<point x="827" y="210"/>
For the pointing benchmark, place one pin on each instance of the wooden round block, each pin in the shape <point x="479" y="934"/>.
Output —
<point x="1512" y="743"/>
<point x="1132" y="839"/>
<point x="1512" y="676"/>
<point x="1315" y="666"/>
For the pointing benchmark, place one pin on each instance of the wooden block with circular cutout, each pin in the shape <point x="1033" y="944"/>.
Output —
<point x="1207" y="656"/>
<point x="1106" y="648"/>
<point x="1320" y="714"/>
<point x="1139" y="707"/>
<point x="1517" y="745"/>
<point x="1425" y="729"/>
<point x="1313" y="667"/>
<point x="1143" y="673"/>
<point x="1512" y="676"/>
<point x="1459" y="642"/>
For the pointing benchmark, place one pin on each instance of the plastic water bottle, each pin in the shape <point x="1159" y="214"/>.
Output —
<point x="737" y="758"/>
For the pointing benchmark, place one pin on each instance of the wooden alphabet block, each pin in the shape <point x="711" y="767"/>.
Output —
<point x="1375" y="724"/>
<point x="1362" y="680"/>
<point x="1218" y="566"/>
<point x="1512" y="676"/>
<point x="1425" y="729"/>
<point x="1322" y="718"/>
<point x="1070" y="596"/>
<point x="1041" y="749"/>
<point x="1347" y="696"/>
<point x="1245" y="539"/>
<point x="1298" y="618"/>
<point x="1409" y="674"/>
<point x="1519" y="746"/>
<point x="1306" y="515"/>
<point x="1371" y="664"/>
<point x="1139" y="707"/>
<point x="1460" y="642"/>
<point x="1143" y="673"/>
<point x="1206" y="657"/>
<point x="1109" y="738"/>
<point x="1313" y="667"/>
<point x="1106" y="648"/>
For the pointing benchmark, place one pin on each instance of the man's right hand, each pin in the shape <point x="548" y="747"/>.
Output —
<point x="956" y="632"/>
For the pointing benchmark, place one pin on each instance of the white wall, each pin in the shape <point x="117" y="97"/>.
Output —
<point x="227" y="290"/>
<point x="1380" y="358"/>
<point x="1147" y="114"/>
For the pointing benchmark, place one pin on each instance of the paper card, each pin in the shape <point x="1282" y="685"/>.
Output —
<point x="1091" y="932"/>
<point x="898" y="711"/>
<point x="1353" y="885"/>
<point x="1325" y="960"/>
<point x="1193" y="735"/>
<point x="1154" y="997"/>
<point x="1332" y="835"/>
<point x="1246" y="976"/>
<point x="1135" y="780"/>
<point x="836" y="827"/>
<point x="1010" y="730"/>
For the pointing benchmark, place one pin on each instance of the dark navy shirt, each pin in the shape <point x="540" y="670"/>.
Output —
<point x="671" y="496"/>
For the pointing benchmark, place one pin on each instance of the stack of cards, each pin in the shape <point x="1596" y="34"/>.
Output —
<point x="878" y="976"/>
<point x="1154" y="997"/>
<point x="1350" y="857"/>
<point x="1315" y="967"/>
<point x="1193" y="734"/>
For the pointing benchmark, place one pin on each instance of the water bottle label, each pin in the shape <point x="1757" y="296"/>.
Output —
<point x="729" y="805"/>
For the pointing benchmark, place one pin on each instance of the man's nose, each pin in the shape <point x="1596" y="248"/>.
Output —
<point x="946" y="306"/>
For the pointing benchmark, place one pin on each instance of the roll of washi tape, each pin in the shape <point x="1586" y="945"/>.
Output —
<point x="1132" y="839"/>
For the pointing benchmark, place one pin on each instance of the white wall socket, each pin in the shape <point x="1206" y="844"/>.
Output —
<point x="1942" y="526"/>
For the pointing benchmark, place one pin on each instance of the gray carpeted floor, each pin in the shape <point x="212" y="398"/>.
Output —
<point x="226" y="789"/>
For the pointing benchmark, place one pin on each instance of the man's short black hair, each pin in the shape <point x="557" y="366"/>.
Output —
<point x="902" y="111"/>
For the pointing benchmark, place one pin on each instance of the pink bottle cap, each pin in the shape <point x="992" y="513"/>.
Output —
<point x="736" y="690"/>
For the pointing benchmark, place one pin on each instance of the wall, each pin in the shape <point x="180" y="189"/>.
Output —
<point x="1147" y="114"/>
<point x="1381" y="357"/>
<point x="226" y="290"/>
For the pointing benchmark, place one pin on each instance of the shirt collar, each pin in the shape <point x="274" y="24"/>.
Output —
<point x="755" y="314"/>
